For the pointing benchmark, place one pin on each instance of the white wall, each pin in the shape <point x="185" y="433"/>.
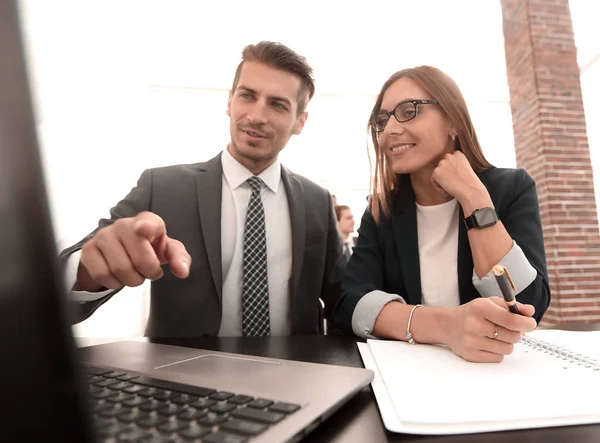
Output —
<point x="587" y="39"/>
<point x="123" y="85"/>
<point x="590" y="88"/>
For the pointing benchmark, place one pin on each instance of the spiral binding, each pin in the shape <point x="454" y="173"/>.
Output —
<point x="561" y="352"/>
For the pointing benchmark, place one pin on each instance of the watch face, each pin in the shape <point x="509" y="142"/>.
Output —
<point x="485" y="217"/>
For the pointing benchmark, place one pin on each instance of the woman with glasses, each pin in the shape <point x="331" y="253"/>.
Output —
<point x="440" y="218"/>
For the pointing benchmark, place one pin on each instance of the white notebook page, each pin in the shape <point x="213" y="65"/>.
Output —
<point x="434" y="391"/>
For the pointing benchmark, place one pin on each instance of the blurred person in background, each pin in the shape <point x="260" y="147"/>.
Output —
<point x="345" y="223"/>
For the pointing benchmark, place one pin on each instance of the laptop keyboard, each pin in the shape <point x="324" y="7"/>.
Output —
<point x="129" y="407"/>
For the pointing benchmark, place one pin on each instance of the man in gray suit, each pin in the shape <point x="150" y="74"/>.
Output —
<point x="251" y="246"/>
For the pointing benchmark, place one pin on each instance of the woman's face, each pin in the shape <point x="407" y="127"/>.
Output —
<point x="419" y="143"/>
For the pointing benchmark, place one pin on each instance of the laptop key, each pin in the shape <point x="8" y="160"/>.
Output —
<point x="169" y="409"/>
<point x="95" y="371"/>
<point x="223" y="437"/>
<point x="136" y="401"/>
<point x="183" y="399"/>
<point x="164" y="395"/>
<point x="257" y="415"/>
<point x="212" y="419"/>
<point x="146" y="392"/>
<point x="172" y="426"/>
<point x="162" y="439"/>
<point x="133" y="415"/>
<point x="94" y="378"/>
<point x="99" y="406"/>
<point x="120" y="385"/>
<point x="134" y="435"/>
<point x="106" y="382"/>
<point x="195" y="431"/>
<point x="222" y="408"/>
<point x="171" y="386"/>
<point x="221" y="395"/>
<point x="127" y="377"/>
<point x="102" y="394"/>
<point x="190" y="414"/>
<point x="240" y="399"/>
<point x="100" y="422"/>
<point x="260" y="403"/>
<point x="203" y="403"/>
<point x="113" y="411"/>
<point x="114" y="374"/>
<point x="135" y="389"/>
<point x="152" y="405"/>
<point x="244" y="427"/>
<point x="111" y="430"/>
<point x="286" y="408"/>
<point x="119" y="397"/>
<point x="151" y="421"/>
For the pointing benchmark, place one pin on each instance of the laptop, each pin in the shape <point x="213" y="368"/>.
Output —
<point x="123" y="391"/>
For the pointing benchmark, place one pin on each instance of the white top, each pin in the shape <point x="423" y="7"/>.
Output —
<point x="437" y="228"/>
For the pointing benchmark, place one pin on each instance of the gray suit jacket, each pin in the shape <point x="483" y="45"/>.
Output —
<point x="188" y="199"/>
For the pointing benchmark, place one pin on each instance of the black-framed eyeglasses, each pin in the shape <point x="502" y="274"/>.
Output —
<point x="403" y="112"/>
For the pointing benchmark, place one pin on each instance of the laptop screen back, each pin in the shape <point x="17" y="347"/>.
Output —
<point x="39" y="388"/>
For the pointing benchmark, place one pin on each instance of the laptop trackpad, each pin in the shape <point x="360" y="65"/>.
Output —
<point x="212" y="364"/>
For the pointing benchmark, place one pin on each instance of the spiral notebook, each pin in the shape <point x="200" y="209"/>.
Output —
<point x="551" y="379"/>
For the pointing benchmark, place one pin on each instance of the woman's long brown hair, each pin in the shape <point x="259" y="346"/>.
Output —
<point x="452" y="103"/>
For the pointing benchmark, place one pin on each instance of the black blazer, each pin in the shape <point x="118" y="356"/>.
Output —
<point x="188" y="199"/>
<point x="386" y="256"/>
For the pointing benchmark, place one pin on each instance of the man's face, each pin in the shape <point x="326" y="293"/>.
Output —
<point x="263" y="114"/>
<point x="346" y="222"/>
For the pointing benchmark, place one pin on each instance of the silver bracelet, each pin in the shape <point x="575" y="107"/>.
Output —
<point x="409" y="336"/>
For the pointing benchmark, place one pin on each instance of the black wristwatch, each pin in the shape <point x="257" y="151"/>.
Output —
<point x="481" y="218"/>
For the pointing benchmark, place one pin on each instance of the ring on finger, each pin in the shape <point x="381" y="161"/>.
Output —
<point x="496" y="332"/>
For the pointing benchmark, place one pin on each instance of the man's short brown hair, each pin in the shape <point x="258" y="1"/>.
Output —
<point x="279" y="56"/>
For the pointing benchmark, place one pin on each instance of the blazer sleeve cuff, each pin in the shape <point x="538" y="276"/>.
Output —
<point x="71" y="276"/>
<point x="519" y="268"/>
<point x="367" y="310"/>
<point x="86" y="297"/>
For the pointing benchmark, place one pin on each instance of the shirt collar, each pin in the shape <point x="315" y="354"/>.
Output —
<point x="236" y="174"/>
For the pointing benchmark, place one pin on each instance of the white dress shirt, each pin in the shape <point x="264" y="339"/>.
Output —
<point x="234" y="205"/>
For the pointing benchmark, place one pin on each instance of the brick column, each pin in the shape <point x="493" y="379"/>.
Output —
<point x="551" y="144"/>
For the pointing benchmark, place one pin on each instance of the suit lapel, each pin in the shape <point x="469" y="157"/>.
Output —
<point x="407" y="243"/>
<point x="296" y="203"/>
<point x="209" y="185"/>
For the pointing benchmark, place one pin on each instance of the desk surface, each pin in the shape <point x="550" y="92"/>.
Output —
<point x="359" y="419"/>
